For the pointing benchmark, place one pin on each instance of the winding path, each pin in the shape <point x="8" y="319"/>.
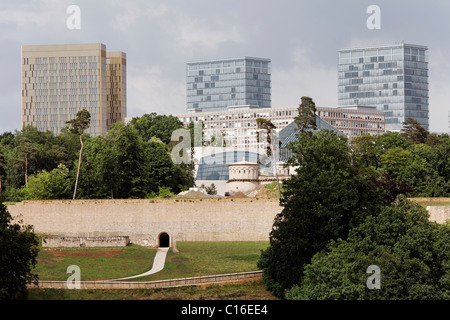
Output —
<point x="158" y="264"/>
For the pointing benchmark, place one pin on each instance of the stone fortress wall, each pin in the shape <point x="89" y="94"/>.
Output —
<point x="144" y="221"/>
<point x="88" y="242"/>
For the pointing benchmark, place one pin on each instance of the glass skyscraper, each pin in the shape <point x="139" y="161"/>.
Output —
<point x="215" y="85"/>
<point x="393" y="78"/>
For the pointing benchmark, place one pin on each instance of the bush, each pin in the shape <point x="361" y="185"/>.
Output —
<point x="19" y="249"/>
<point x="412" y="253"/>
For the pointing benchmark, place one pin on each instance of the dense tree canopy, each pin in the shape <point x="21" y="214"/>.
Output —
<point x="340" y="187"/>
<point x="413" y="255"/>
<point x="322" y="201"/>
<point x="159" y="126"/>
<point x="125" y="163"/>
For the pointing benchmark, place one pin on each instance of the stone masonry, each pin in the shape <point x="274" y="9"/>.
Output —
<point x="145" y="220"/>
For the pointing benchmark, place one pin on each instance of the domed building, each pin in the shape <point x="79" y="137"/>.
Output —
<point x="243" y="177"/>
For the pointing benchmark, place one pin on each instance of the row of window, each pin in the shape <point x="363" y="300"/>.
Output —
<point x="80" y="59"/>
<point x="224" y="91"/>
<point x="406" y="71"/>
<point x="378" y="86"/>
<point x="228" y="64"/>
<point x="225" y="77"/>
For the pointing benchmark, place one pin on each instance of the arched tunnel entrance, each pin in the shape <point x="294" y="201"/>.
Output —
<point x="164" y="240"/>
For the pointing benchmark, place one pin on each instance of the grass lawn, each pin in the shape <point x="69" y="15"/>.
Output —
<point x="94" y="263"/>
<point x="425" y="202"/>
<point x="193" y="259"/>
<point x="250" y="290"/>
<point x="209" y="258"/>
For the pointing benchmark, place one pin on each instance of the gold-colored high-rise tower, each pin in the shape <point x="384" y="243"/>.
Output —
<point x="116" y="87"/>
<point x="59" y="80"/>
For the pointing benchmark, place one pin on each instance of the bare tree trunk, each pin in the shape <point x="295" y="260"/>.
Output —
<point x="79" y="165"/>
<point x="26" y="170"/>
<point x="275" y="166"/>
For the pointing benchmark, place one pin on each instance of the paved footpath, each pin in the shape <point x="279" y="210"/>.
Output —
<point x="158" y="264"/>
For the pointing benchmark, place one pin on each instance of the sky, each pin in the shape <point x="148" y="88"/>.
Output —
<point x="301" y="37"/>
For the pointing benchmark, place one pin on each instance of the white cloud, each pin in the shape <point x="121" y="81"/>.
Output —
<point x="190" y="34"/>
<point x="439" y="77"/>
<point x="130" y="13"/>
<point x="304" y="78"/>
<point x="149" y="91"/>
<point x="37" y="14"/>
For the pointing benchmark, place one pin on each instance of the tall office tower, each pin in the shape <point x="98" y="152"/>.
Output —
<point x="116" y="83"/>
<point x="215" y="85"/>
<point x="393" y="78"/>
<point x="60" y="80"/>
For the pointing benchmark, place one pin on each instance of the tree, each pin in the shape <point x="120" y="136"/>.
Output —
<point x="269" y="127"/>
<point x="423" y="179"/>
<point x="396" y="159"/>
<point x="160" y="126"/>
<point x="2" y="171"/>
<point x="211" y="189"/>
<point x="19" y="249"/>
<point x="391" y="140"/>
<point x="306" y="115"/>
<point x="78" y="125"/>
<point x="365" y="151"/>
<point x="323" y="201"/>
<point x="124" y="164"/>
<point x="49" y="185"/>
<point x="412" y="253"/>
<point x="413" y="131"/>
<point x="27" y="152"/>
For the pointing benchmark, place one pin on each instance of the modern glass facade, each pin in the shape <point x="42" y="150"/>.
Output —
<point x="217" y="84"/>
<point x="290" y="134"/>
<point x="216" y="167"/>
<point x="392" y="78"/>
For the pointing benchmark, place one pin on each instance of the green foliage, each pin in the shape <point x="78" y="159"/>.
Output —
<point x="396" y="159"/>
<point x="412" y="253"/>
<point x="268" y="127"/>
<point x="78" y="125"/>
<point x="159" y="126"/>
<point x="19" y="249"/>
<point x="414" y="132"/>
<point x="50" y="185"/>
<point x="15" y="195"/>
<point x="164" y="192"/>
<point x="121" y="164"/>
<point x="81" y="122"/>
<point x="323" y="201"/>
<point x="306" y="114"/>
<point x="211" y="190"/>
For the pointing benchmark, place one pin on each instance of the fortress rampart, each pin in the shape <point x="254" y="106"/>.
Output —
<point x="145" y="221"/>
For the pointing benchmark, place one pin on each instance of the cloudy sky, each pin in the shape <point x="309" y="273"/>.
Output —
<point x="301" y="37"/>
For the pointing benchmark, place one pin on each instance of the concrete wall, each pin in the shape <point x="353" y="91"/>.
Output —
<point x="88" y="242"/>
<point x="439" y="214"/>
<point x="144" y="220"/>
